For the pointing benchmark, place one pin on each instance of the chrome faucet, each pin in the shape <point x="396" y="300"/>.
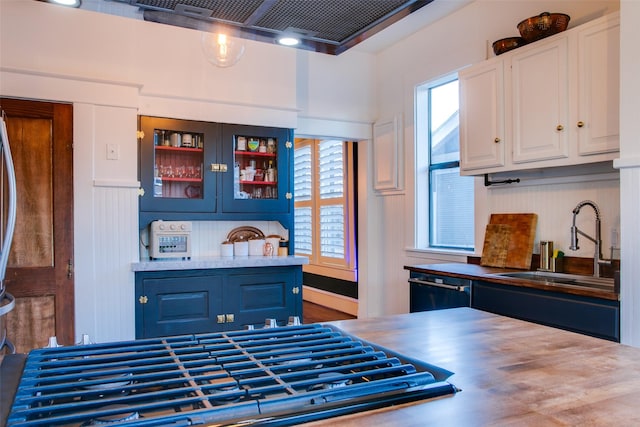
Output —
<point x="597" y="257"/>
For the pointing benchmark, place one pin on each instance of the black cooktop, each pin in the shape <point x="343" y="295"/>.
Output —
<point x="274" y="376"/>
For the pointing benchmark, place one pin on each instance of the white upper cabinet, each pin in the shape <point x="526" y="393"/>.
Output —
<point x="540" y="93"/>
<point x="482" y="128"/>
<point x="598" y="99"/>
<point x="554" y="102"/>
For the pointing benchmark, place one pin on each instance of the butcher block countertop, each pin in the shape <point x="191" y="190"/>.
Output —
<point x="511" y="372"/>
<point x="490" y="274"/>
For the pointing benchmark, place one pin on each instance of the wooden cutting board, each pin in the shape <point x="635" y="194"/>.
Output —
<point x="496" y="245"/>
<point x="521" y="231"/>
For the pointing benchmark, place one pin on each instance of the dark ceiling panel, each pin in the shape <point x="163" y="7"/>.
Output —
<point x="328" y="26"/>
<point x="330" y="20"/>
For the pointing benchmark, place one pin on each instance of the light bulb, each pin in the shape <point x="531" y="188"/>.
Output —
<point x="222" y="50"/>
<point x="288" y="41"/>
<point x="72" y="3"/>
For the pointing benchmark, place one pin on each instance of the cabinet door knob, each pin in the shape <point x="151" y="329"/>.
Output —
<point x="143" y="299"/>
<point x="580" y="124"/>
<point x="559" y="128"/>
<point x="496" y="140"/>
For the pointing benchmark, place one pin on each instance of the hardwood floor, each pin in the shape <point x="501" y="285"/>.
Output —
<point x="314" y="313"/>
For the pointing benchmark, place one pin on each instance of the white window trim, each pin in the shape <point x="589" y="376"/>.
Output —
<point x="421" y="244"/>
<point x="345" y="269"/>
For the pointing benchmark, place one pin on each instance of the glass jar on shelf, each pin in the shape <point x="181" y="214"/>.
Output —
<point x="254" y="169"/>
<point x="178" y="164"/>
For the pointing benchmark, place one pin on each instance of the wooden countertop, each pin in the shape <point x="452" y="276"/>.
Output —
<point x="475" y="272"/>
<point x="511" y="372"/>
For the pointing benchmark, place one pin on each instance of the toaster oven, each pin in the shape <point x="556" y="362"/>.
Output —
<point x="170" y="239"/>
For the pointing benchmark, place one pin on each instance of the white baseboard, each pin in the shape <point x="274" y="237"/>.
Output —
<point x="328" y="299"/>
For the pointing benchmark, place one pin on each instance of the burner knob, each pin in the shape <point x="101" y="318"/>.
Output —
<point x="53" y="342"/>
<point x="270" y="323"/>
<point x="293" y="321"/>
<point x="85" y="340"/>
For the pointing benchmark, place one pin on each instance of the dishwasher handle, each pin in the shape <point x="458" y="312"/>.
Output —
<point x="440" y="285"/>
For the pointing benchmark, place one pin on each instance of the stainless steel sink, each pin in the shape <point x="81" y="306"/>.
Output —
<point x="563" y="279"/>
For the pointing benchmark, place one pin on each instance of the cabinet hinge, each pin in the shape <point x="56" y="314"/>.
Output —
<point x="288" y="144"/>
<point x="140" y="191"/>
<point x="289" y="196"/>
<point x="296" y="290"/>
<point x="69" y="269"/>
<point x="230" y="318"/>
<point x="140" y="134"/>
<point x="220" y="318"/>
<point x="143" y="299"/>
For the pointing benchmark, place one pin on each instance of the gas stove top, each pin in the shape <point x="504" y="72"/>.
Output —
<point x="273" y="376"/>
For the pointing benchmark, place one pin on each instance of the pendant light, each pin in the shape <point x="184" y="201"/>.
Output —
<point x="222" y="50"/>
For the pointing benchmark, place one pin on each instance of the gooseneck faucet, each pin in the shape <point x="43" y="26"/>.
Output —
<point x="597" y="257"/>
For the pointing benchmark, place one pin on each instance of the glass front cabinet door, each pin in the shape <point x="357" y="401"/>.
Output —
<point x="259" y="161"/>
<point x="177" y="165"/>
<point x="192" y="170"/>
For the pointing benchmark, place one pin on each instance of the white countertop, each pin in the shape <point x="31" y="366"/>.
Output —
<point x="202" y="263"/>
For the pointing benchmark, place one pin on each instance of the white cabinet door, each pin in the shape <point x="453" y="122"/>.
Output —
<point x="482" y="129"/>
<point x="540" y="91"/>
<point x="598" y="113"/>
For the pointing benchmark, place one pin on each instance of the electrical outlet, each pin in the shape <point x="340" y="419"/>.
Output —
<point x="113" y="151"/>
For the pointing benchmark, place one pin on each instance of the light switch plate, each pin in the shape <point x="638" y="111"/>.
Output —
<point x="113" y="151"/>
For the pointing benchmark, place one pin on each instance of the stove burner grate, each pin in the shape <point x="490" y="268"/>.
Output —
<point x="291" y="374"/>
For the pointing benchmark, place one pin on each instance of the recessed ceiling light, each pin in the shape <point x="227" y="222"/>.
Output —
<point x="288" y="41"/>
<point x="72" y="3"/>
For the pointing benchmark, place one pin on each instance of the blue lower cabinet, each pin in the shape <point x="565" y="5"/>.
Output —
<point x="590" y="316"/>
<point x="259" y="296"/>
<point x="201" y="301"/>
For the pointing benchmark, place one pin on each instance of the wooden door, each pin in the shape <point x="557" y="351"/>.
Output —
<point x="40" y="269"/>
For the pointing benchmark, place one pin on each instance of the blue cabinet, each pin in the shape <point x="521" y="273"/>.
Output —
<point x="199" y="301"/>
<point x="192" y="170"/>
<point x="586" y="315"/>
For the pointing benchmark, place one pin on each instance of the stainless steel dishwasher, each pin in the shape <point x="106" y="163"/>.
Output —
<point x="435" y="292"/>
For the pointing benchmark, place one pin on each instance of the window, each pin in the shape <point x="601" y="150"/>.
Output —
<point x="324" y="219"/>
<point x="444" y="199"/>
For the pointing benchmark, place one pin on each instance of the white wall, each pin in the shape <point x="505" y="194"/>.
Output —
<point x="454" y="42"/>
<point x="629" y="163"/>
<point x="113" y="69"/>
